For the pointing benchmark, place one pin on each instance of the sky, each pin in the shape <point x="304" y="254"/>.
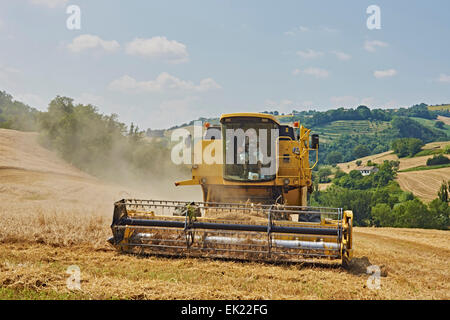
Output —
<point x="164" y="63"/>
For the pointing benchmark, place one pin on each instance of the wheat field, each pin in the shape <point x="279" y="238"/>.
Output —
<point x="53" y="216"/>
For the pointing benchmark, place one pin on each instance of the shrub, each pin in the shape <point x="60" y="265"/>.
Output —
<point x="438" y="159"/>
<point x="447" y="149"/>
<point x="382" y="215"/>
<point x="407" y="147"/>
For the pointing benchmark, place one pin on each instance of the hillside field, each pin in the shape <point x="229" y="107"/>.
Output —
<point x="423" y="184"/>
<point x="335" y="129"/>
<point x="54" y="216"/>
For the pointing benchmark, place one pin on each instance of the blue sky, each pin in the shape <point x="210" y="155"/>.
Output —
<point x="161" y="63"/>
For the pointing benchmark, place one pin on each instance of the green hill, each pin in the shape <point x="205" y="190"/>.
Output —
<point x="333" y="130"/>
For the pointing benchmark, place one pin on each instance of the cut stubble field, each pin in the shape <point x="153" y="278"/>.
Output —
<point x="53" y="216"/>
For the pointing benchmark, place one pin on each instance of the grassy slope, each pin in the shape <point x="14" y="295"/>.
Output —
<point x="53" y="219"/>
<point x="334" y="129"/>
<point x="430" y="124"/>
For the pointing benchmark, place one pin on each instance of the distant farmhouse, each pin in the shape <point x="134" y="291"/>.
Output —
<point x="365" y="171"/>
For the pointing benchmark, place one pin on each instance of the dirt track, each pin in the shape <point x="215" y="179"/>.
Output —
<point x="53" y="216"/>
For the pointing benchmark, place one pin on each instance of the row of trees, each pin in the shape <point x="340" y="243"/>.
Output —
<point x="16" y="115"/>
<point x="438" y="160"/>
<point x="412" y="214"/>
<point x="315" y="118"/>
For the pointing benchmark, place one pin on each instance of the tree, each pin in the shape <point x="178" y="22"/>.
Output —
<point x="382" y="215"/>
<point x="361" y="151"/>
<point x="323" y="174"/>
<point x="16" y="115"/>
<point x="407" y="146"/>
<point x="339" y="173"/>
<point x="411" y="214"/>
<point x="405" y="127"/>
<point x="439" y="124"/>
<point x="437" y="160"/>
<point x="334" y="157"/>
<point x="443" y="191"/>
<point x="364" y="112"/>
<point x="439" y="214"/>
<point x="447" y="149"/>
<point x="358" y="162"/>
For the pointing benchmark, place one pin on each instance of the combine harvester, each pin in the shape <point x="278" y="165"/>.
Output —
<point x="252" y="210"/>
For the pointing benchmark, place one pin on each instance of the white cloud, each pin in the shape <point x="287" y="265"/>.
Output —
<point x="341" y="55"/>
<point x="50" y="3"/>
<point x="309" y="54"/>
<point x="315" y="72"/>
<point x="385" y="73"/>
<point x="372" y="45"/>
<point x="88" y="41"/>
<point x="89" y="98"/>
<point x="164" y="82"/>
<point x="158" y="48"/>
<point x="391" y="104"/>
<point x="296" y="30"/>
<point x="286" y="106"/>
<point x="8" y="70"/>
<point x="344" y="101"/>
<point x="8" y="75"/>
<point x="352" y="101"/>
<point x="369" y="101"/>
<point x="282" y="103"/>
<point x="172" y="112"/>
<point x="444" y="78"/>
<point x="330" y="30"/>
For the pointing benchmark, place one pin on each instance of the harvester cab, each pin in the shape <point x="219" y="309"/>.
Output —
<point x="255" y="176"/>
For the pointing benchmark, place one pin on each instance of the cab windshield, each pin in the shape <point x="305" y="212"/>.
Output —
<point x="248" y="148"/>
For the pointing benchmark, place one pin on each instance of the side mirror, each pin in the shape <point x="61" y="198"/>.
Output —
<point x="315" y="141"/>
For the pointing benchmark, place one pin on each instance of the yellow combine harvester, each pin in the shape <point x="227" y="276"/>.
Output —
<point x="254" y="200"/>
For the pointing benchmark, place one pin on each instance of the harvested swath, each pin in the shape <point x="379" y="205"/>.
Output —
<point x="423" y="184"/>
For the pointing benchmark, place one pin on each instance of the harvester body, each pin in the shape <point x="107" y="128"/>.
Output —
<point x="253" y="210"/>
